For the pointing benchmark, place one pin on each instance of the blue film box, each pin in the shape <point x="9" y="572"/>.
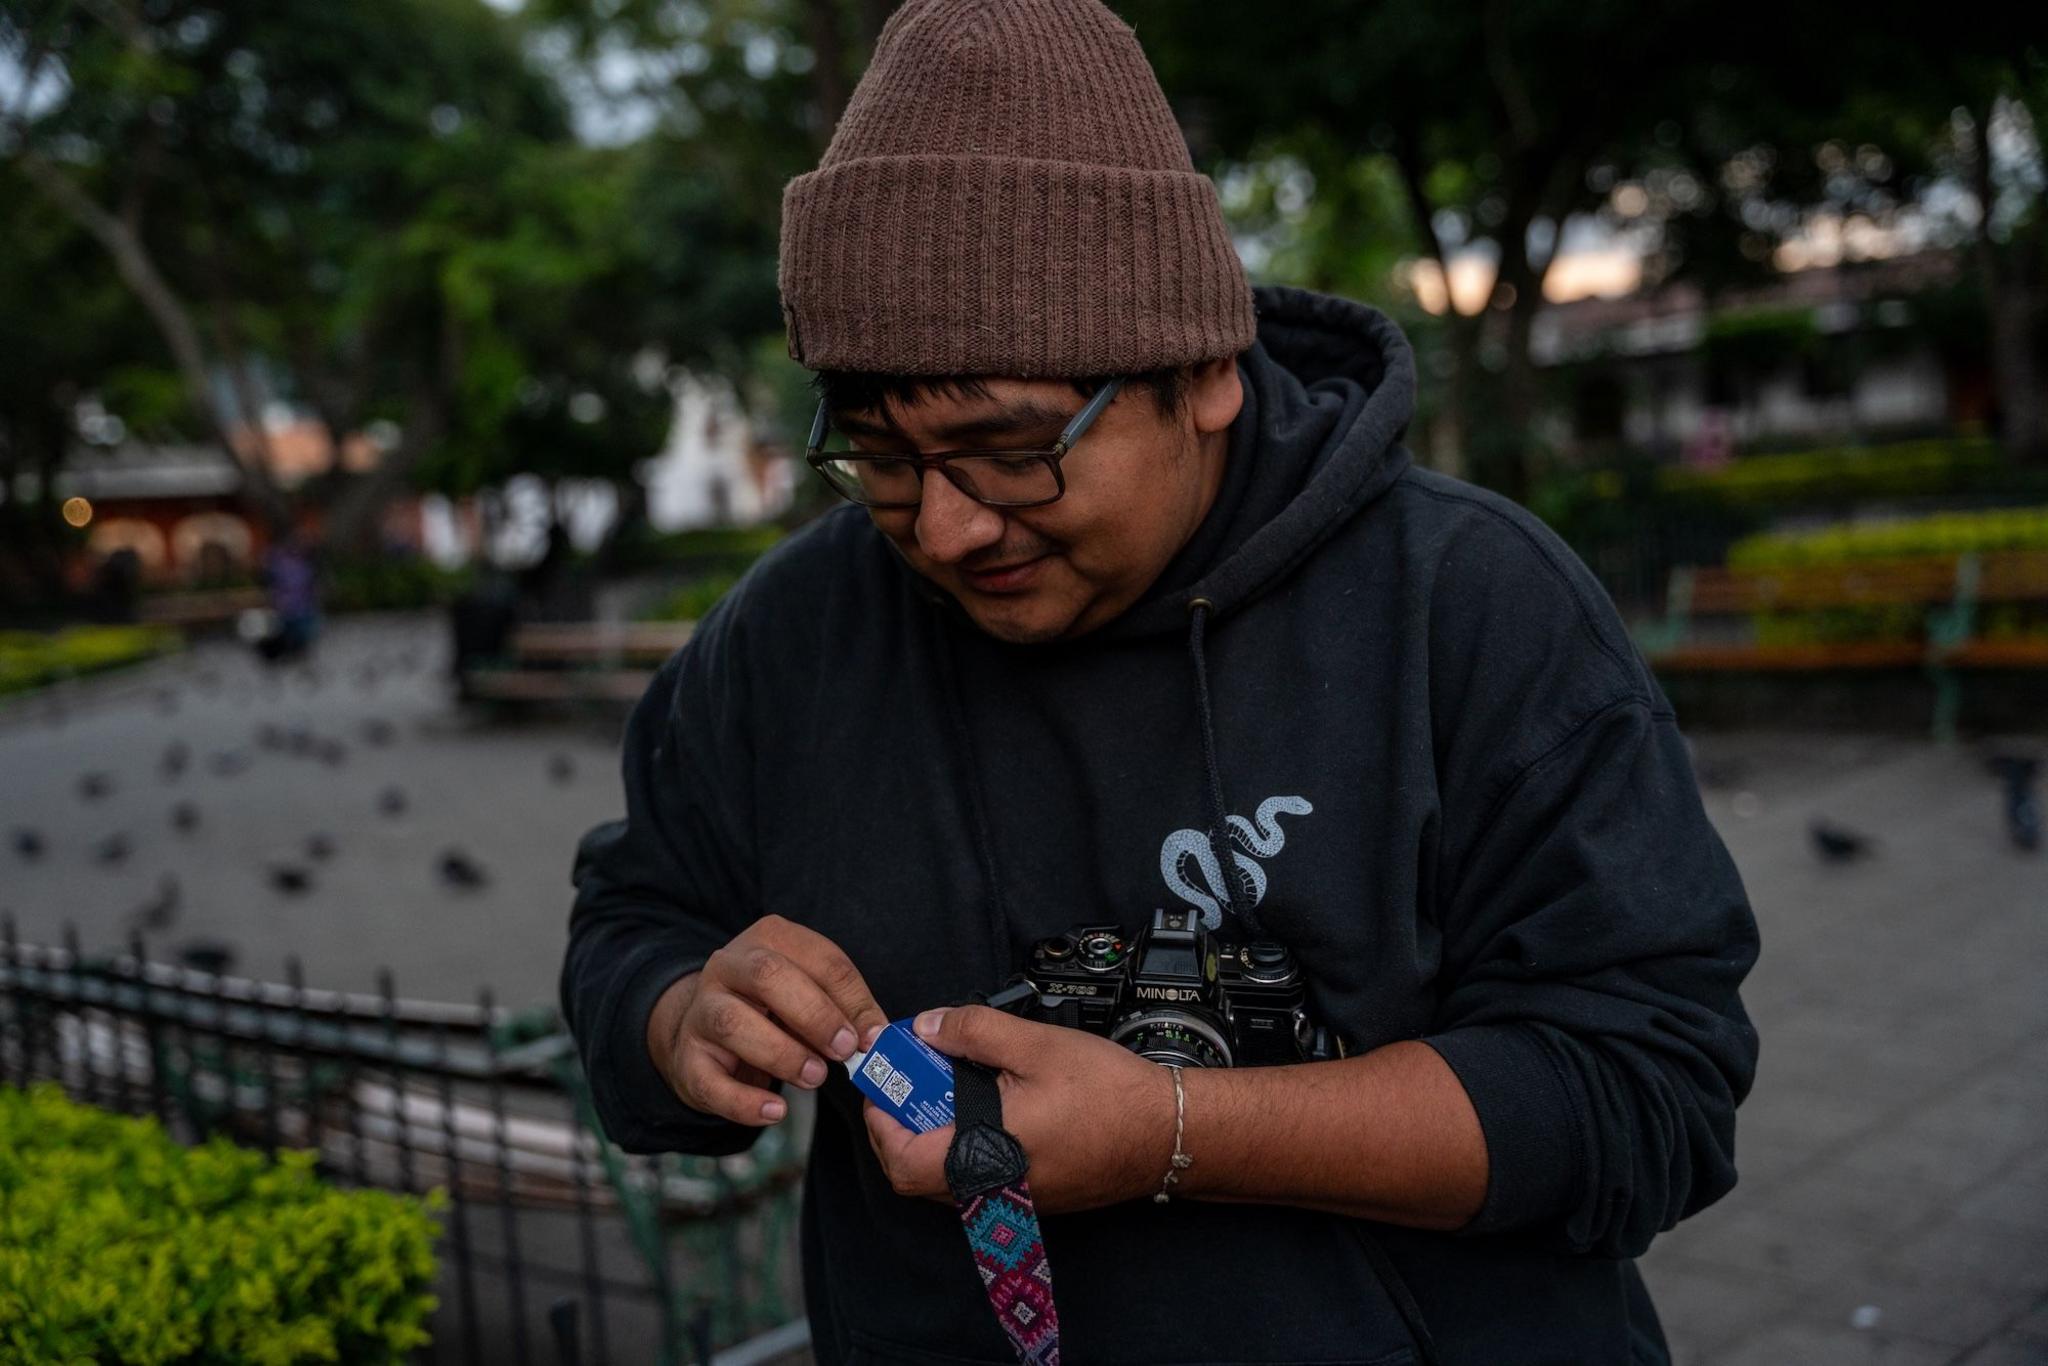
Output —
<point x="906" y="1078"/>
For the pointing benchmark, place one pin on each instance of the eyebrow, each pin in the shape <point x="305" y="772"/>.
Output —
<point x="1026" y="416"/>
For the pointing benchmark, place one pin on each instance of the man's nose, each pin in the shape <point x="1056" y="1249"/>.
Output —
<point x="950" y="525"/>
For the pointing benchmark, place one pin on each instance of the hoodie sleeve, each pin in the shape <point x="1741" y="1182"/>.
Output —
<point x="1595" y="930"/>
<point x="660" y="891"/>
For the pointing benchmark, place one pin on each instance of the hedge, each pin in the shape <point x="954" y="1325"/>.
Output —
<point x="29" y="659"/>
<point x="120" y="1246"/>
<point x="1949" y="533"/>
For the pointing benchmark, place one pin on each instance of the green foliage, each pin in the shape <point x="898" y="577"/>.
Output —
<point x="694" y="599"/>
<point x="1760" y="340"/>
<point x="119" y="1246"/>
<point x="1834" y="473"/>
<point x="1947" y="533"/>
<point x="30" y="659"/>
<point x="391" y="583"/>
<point x="706" y="549"/>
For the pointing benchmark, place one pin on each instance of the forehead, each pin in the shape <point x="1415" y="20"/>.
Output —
<point x="1003" y="406"/>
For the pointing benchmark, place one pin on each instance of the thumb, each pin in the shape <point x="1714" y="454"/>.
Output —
<point x="977" y="1032"/>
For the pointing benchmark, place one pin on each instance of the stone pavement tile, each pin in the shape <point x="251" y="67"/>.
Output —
<point x="1976" y="1252"/>
<point x="1808" y="1344"/>
<point x="2033" y="1323"/>
<point x="1706" y="1308"/>
<point x="1831" y="1267"/>
<point x="2009" y="1350"/>
<point x="1933" y="1149"/>
<point x="1809" y="1253"/>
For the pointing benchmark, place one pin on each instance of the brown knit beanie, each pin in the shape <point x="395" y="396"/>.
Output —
<point x="1008" y="194"/>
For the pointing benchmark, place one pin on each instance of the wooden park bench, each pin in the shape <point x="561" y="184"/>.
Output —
<point x="576" y="662"/>
<point x="1949" y="589"/>
<point x="199" y="607"/>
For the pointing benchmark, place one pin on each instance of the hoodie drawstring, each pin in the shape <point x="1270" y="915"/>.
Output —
<point x="1219" y="810"/>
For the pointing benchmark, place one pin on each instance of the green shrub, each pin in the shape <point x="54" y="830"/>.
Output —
<point x="390" y="585"/>
<point x="29" y="659"/>
<point x="694" y="599"/>
<point x="1836" y="473"/>
<point x="119" y="1246"/>
<point x="1947" y="533"/>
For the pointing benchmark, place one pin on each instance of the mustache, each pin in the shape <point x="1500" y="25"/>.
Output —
<point x="1006" y="554"/>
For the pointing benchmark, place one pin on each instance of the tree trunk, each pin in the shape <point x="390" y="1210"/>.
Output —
<point x="2012" y="300"/>
<point x="172" y="319"/>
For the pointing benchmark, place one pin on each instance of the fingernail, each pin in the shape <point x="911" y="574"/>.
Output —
<point x="928" y="1023"/>
<point x="773" y="1109"/>
<point x="814" y="1072"/>
<point x="842" y="1043"/>
<point x="874" y="1032"/>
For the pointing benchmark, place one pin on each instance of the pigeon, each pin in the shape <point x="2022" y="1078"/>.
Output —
<point x="562" y="769"/>
<point x="158" y="914"/>
<point x="228" y="762"/>
<point x="1838" y="845"/>
<point x="391" y="801"/>
<point x="207" y="955"/>
<point x="28" y="843"/>
<point x="300" y="739"/>
<point x="291" y="879"/>
<point x="460" y="870"/>
<point x="2022" y="805"/>
<point x="332" y="753"/>
<point x="177" y="757"/>
<point x="319" y="847"/>
<point x="113" y="850"/>
<point x="379" y="732"/>
<point x="93" y="786"/>
<point x="185" y="817"/>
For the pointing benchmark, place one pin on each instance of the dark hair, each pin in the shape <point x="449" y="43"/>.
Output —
<point x="861" y="391"/>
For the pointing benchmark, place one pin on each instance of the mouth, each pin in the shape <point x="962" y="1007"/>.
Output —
<point x="1008" y="578"/>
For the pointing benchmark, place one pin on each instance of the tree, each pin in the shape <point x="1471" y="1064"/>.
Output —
<point x="281" y="189"/>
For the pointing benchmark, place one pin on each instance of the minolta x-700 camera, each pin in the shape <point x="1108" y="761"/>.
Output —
<point x="1178" y="994"/>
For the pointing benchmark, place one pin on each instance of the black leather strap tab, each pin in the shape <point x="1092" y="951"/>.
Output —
<point x="983" y="1156"/>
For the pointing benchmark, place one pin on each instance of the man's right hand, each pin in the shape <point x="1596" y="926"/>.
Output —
<point x="775" y="1002"/>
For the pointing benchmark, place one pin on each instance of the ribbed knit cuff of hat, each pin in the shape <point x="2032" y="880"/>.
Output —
<point x="1008" y="194"/>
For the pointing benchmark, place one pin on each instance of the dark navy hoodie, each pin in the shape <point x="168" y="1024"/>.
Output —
<point x="1457" y="793"/>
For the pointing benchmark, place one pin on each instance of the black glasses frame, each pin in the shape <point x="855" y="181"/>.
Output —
<point x="817" y="457"/>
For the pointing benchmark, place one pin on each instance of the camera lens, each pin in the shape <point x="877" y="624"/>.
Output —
<point x="1172" y="1036"/>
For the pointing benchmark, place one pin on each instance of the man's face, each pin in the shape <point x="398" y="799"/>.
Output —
<point x="1138" y="484"/>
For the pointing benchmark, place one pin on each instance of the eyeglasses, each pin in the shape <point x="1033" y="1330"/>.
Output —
<point x="1003" y="479"/>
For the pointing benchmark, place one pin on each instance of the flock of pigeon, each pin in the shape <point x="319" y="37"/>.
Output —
<point x="291" y="876"/>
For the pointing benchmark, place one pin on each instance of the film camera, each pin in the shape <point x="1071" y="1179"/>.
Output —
<point x="1177" y="994"/>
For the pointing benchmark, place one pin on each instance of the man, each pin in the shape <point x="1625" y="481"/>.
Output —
<point x="1197" y="636"/>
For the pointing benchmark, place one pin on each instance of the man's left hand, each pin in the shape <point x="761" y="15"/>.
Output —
<point x="1095" y="1119"/>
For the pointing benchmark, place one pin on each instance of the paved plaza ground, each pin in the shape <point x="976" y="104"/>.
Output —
<point x="1894" y="1156"/>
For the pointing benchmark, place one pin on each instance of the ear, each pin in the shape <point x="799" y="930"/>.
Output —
<point x="1215" y="394"/>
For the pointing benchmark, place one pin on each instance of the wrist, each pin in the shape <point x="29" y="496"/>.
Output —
<point x="1168" y="1153"/>
<point x="665" y="1023"/>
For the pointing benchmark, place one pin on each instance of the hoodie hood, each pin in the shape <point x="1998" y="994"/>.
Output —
<point x="1329" y="389"/>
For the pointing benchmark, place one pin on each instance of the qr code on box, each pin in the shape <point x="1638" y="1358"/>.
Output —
<point x="878" y="1070"/>
<point x="897" y="1088"/>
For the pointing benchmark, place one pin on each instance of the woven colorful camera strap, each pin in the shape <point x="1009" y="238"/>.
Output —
<point x="985" y="1171"/>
